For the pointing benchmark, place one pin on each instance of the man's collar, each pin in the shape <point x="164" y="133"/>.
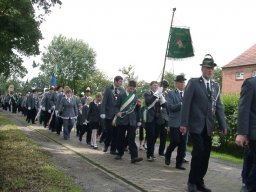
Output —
<point x="205" y="80"/>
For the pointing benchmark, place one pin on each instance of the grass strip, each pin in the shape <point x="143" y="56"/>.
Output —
<point x="24" y="166"/>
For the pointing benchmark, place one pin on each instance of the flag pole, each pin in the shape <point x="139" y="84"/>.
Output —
<point x="166" y="52"/>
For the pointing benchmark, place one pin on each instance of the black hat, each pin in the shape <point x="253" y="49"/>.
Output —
<point x="165" y="83"/>
<point x="208" y="61"/>
<point x="180" y="78"/>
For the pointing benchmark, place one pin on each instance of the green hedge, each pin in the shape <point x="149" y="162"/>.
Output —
<point x="227" y="144"/>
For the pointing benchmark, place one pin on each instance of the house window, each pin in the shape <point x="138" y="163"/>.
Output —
<point x="239" y="75"/>
<point x="253" y="73"/>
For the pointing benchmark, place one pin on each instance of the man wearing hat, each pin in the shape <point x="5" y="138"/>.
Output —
<point x="177" y="139"/>
<point x="201" y="104"/>
<point x="162" y="120"/>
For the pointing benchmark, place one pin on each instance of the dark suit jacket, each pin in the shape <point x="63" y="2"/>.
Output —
<point x="109" y="101"/>
<point x="247" y="109"/>
<point x="197" y="107"/>
<point x="94" y="112"/>
<point x="46" y="101"/>
<point x="149" y="98"/>
<point x="33" y="102"/>
<point x="79" y="120"/>
<point x="174" y="107"/>
<point x="129" y="119"/>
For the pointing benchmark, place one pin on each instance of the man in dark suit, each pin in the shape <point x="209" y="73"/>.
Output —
<point x="201" y="104"/>
<point x="177" y="139"/>
<point x="247" y="127"/>
<point x="108" y="112"/>
<point x="32" y="106"/>
<point x="162" y="120"/>
<point x="154" y="101"/>
<point x="127" y="107"/>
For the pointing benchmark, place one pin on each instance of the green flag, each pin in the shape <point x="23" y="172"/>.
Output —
<point x="180" y="45"/>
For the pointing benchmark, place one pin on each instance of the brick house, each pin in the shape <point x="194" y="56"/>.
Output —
<point x="239" y="69"/>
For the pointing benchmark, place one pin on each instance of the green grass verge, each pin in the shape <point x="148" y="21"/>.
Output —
<point x="24" y="166"/>
<point x="222" y="156"/>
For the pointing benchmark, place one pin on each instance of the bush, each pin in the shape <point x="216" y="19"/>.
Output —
<point x="230" y="103"/>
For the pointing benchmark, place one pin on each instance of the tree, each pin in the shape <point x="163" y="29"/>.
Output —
<point x="39" y="83"/>
<point x="128" y="73"/>
<point x="217" y="75"/>
<point x="97" y="82"/>
<point x="20" y="33"/>
<point x="72" y="60"/>
<point x="170" y="77"/>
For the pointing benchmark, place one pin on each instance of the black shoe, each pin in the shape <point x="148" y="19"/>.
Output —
<point x="105" y="149"/>
<point x="136" y="159"/>
<point x="118" y="157"/>
<point x="185" y="161"/>
<point x="167" y="160"/>
<point x="192" y="187"/>
<point x="80" y="138"/>
<point x="113" y="153"/>
<point x="180" y="168"/>
<point x="203" y="188"/>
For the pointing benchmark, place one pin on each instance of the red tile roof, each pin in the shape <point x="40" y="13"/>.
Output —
<point x="246" y="58"/>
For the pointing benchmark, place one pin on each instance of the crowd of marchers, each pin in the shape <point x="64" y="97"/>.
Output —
<point x="116" y="116"/>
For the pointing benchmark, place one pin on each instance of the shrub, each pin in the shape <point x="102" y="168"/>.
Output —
<point x="230" y="103"/>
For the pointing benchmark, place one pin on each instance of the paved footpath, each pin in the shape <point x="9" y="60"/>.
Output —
<point x="151" y="176"/>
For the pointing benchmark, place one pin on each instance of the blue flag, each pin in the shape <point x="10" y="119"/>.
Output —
<point x="53" y="80"/>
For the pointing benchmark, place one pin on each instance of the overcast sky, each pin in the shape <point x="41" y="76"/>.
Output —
<point x="135" y="32"/>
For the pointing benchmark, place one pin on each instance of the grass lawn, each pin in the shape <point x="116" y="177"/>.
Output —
<point x="24" y="166"/>
<point x="223" y="156"/>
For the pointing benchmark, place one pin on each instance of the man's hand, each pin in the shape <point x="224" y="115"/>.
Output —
<point x="183" y="130"/>
<point x="241" y="140"/>
<point x="119" y="114"/>
<point x="224" y="132"/>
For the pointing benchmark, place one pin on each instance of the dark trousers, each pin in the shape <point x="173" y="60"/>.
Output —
<point x="177" y="140"/>
<point x="45" y="115"/>
<point x="121" y="142"/>
<point x="58" y="124"/>
<point x="247" y="163"/>
<point x="86" y="128"/>
<point x="52" y="122"/>
<point x="111" y="135"/>
<point x="200" y="156"/>
<point x="161" y="132"/>
<point x="150" y="131"/>
<point x="31" y="115"/>
<point x="250" y="180"/>
<point x="79" y="128"/>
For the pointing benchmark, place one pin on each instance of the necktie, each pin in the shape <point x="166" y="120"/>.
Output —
<point x="181" y="94"/>
<point x="116" y="91"/>
<point x="208" y="89"/>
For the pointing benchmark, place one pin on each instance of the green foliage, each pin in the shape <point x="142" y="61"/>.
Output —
<point x="128" y="74"/>
<point x="39" y="83"/>
<point x="217" y="75"/>
<point x="73" y="59"/>
<point x="97" y="83"/>
<point x="230" y="103"/>
<point x="20" y="33"/>
<point x="170" y="77"/>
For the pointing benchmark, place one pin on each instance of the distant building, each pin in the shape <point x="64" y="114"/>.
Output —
<point x="239" y="69"/>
